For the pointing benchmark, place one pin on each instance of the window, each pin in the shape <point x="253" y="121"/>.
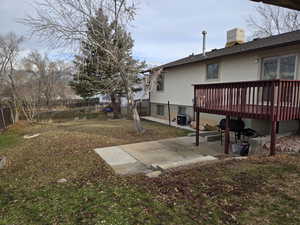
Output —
<point x="181" y="110"/>
<point x="160" y="110"/>
<point x="212" y="71"/>
<point x="160" y="83"/>
<point x="282" y="67"/>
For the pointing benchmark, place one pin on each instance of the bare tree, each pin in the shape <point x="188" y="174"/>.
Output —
<point x="50" y="77"/>
<point x="66" y="22"/>
<point x="272" y="20"/>
<point x="28" y="94"/>
<point x="9" y="51"/>
<point x="63" y="22"/>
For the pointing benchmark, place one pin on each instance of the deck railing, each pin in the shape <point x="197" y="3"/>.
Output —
<point x="263" y="99"/>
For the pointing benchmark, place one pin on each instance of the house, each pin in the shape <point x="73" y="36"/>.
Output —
<point x="291" y="4"/>
<point x="275" y="57"/>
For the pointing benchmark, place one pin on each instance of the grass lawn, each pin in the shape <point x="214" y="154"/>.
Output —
<point x="254" y="191"/>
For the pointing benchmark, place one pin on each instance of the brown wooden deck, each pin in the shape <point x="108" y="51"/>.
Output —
<point x="273" y="100"/>
<point x="254" y="111"/>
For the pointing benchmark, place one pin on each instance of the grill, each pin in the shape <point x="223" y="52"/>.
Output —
<point x="238" y="127"/>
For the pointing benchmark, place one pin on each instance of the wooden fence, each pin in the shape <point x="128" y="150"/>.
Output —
<point x="144" y="108"/>
<point x="67" y="103"/>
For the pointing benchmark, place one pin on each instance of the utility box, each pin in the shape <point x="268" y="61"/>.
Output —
<point x="235" y="36"/>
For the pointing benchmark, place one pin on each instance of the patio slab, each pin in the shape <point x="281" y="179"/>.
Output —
<point x="115" y="156"/>
<point x="168" y="153"/>
<point x="184" y="162"/>
<point x="156" y="156"/>
<point x="131" y="168"/>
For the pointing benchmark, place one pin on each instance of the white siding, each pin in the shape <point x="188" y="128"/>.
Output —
<point x="178" y="87"/>
<point x="239" y="68"/>
<point x="178" y="82"/>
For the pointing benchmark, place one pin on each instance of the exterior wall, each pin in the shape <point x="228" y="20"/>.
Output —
<point x="173" y="111"/>
<point x="205" y="118"/>
<point x="264" y="126"/>
<point x="178" y="89"/>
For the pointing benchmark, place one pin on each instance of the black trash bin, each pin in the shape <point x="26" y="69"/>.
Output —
<point x="182" y="119"/>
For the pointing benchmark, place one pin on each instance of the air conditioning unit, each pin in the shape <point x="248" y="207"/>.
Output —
<point x="235" y="36"/>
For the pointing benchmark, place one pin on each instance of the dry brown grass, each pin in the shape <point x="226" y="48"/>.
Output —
<point x="261" y="190"/>
<point x="65" y="150"/>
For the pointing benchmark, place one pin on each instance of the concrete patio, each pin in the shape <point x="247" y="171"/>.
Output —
<point x="148" y="157"/>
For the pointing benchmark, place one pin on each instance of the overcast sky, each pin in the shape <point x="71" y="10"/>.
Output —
<point x="164" y="30"/>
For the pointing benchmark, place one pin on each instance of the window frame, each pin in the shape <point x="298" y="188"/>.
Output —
<point x="181" y="107"/>
<point x="278" y="59"/>
<point x="162" y="113"/>
<point x="213" y="79"/>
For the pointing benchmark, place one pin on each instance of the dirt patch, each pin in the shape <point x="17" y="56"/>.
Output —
<point x="288" y="144"/>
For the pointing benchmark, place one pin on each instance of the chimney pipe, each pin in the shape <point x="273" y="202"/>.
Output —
<point x="204" y="33"/>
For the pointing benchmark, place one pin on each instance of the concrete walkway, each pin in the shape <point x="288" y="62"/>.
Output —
<point x="166" y="122"/>
<point x="147" y="157"/>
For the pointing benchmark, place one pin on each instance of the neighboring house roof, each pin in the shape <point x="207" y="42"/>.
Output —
<point x="280" y="40"/>
<point x="292" y="4"/>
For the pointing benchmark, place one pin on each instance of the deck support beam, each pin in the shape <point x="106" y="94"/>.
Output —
<point x="197" y="127"/>
<point x="227" y="135"/>
<point x="273" y="138"/>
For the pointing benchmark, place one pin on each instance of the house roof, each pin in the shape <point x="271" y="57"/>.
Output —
<point x="292" y="4"/>
<point x="280" y="40"/>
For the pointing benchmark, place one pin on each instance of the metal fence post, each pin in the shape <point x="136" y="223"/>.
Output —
<point x="169" y="113"/>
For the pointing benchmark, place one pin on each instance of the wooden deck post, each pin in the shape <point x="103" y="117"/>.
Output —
<point x="274" y="122"/>
<point x="227" y="135"/>
<point x="197" y="127"/>
<point x="273" y="138"/>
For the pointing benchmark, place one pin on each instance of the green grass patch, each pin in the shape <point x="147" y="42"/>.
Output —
<point x="9" y="140"/>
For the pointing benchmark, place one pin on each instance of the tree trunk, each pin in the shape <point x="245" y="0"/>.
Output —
<point x="115" y="103"/>
<point x="15" y="110"/>
<point x="17" y="116"/>
<point x="134" y="112"/>
<point x="136" y="119"/>
<point x="12" y="114"/>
